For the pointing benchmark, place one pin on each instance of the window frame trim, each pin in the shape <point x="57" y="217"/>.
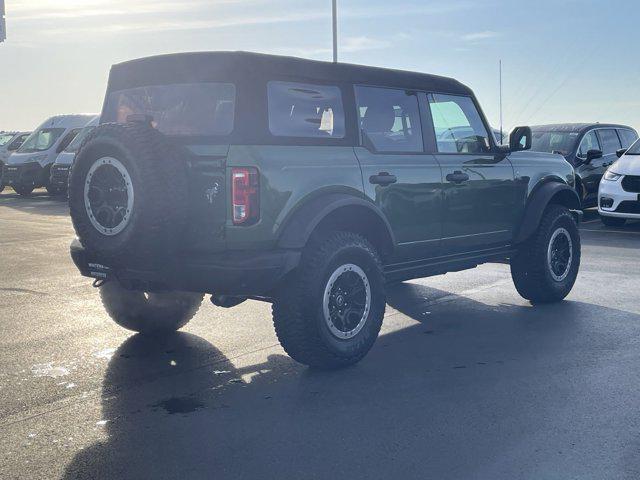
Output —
<point x="604" y="154"/>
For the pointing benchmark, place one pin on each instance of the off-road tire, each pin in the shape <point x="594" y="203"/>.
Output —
<point x="613" y="221"/>
<point x="149" y="313"/>
<point x="530" y="267"/>
<point x="23" y="190"/>
<point x="160" y="186"/>
<point x="298" y="314"/>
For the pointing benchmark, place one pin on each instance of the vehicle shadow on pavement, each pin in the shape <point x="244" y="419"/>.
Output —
<point x="38" y="203"/>
<point x="472" y="390"/>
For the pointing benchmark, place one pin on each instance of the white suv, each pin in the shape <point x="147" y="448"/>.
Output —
<point x="619" y="194"/>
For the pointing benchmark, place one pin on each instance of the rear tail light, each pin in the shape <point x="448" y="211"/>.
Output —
<point x="245" y="195"/>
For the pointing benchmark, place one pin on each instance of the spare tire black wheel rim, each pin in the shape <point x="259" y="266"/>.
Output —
<point x="108" y="196"/>
<point x="347" y="301"/>
<point x="560" y="254"/>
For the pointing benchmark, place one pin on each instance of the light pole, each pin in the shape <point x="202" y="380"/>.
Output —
<point x="335" y="30"/>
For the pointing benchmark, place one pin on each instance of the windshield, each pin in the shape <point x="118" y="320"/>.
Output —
<point x="77" y="142"/>
<point x="554" y="142"/>
<point x="41" y="140"/>
<point x="634" y="149"/>
<point x="181" y="109"/>
<point x="4" y="138"/>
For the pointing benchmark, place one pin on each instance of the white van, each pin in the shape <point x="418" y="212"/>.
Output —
<point x="59" y="179"/>
<point x="9" y="143"/>
<point x="29" y="167"/>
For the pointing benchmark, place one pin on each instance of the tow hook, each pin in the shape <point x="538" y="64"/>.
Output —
<point x="226" y="301"/>
<point x="98" y="282"/>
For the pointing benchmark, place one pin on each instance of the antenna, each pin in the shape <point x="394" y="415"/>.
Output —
<point x="500" y="76"/>
<point x="3" y="23"/>
<point x="335" y="30"/>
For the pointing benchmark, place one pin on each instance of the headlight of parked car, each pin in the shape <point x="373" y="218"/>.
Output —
<point x="612" y="177"/>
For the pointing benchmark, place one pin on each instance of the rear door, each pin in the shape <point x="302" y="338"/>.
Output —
<point x="479" y="191"/>
<point x="403" y="180"/>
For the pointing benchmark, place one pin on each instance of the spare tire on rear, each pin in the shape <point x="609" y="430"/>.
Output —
<point x="128" y="192"/>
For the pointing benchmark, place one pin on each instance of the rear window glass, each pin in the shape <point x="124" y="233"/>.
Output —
<point x="193" y="109"/>
<point x="304" y="110"/>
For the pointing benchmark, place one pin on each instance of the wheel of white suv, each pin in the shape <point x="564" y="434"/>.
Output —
<point x="149" y="312"/>
<point x="330" y="311"/>
<point x="545" y="268"/>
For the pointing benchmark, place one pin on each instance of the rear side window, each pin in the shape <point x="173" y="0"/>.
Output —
<point x="458" y="125"/>
<point x="627" y="137"/>
<point x="190" y="109"/>
<point x="389" y="120"/>
<point x="305" y="110"/>
<point x="609" y="140"/>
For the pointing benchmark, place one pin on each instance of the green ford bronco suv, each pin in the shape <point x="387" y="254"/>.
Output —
<point x="309" y="185"/>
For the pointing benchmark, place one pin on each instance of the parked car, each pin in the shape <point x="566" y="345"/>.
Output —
<point x="29" y="167"/>
<point x="619" y="196"/>
<point x="590" y="147"/>
<point x="309" y="185"/>
<point x="59" y="178"/>
<point x="9" y="143"/>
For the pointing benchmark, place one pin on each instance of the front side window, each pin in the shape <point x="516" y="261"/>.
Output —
<point x="5" y="138"/>
<point x="41" y="140"/>
<point x="17" y="143"/>
<point x="458" y="125"/>
<point x="627" y="137"/>
<point x="192" y="109"/>
<point x="389" y="120"/>
<point x="75" y="145"/>
<point x="609" y="140"/>
<point x="589" y="142"/>
<point x="69" y="137"/>
<point x="305" y="110"/>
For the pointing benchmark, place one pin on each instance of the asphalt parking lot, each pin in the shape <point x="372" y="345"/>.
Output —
<point x="467" y="381"/>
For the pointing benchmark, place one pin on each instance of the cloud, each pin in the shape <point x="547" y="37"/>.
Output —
<point x="478" y="36"/>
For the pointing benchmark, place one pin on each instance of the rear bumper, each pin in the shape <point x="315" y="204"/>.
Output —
<point x="230" y="273"/>
<point x="25" y="174"/>
<point x="59" y="176"/>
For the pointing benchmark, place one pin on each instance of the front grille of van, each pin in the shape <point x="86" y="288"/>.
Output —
<point x="631" y="183"/>
<point x="59" y="174"/>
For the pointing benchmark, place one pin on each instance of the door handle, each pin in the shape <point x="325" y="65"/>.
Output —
<point x="457" y="177"/>
<point x="383" y="178"/>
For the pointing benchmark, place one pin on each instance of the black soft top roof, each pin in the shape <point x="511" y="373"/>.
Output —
<point x="219" y="66"/>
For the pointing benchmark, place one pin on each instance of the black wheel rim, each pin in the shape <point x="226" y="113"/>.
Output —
<point x="560" y="254"/>
<point x="347" y="300"/>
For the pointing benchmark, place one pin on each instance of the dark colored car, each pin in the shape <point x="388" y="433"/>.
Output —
<point x="590" y="147"/>
<point x="309" y="185"/>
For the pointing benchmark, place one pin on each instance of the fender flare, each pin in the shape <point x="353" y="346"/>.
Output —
<point x="297" y="229"/>
<point x="538" y="202"/>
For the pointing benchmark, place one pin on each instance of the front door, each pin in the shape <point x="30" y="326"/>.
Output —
<point x="479" y="191"/>
<point x="398" y="175"/>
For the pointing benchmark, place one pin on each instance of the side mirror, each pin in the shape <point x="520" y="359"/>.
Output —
<point x="520" y="139"/>
<point x="593" y="155"/>
<point x="621" y="152"/>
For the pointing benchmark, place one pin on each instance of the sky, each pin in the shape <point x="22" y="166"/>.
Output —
<point x="563" y="60"/>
